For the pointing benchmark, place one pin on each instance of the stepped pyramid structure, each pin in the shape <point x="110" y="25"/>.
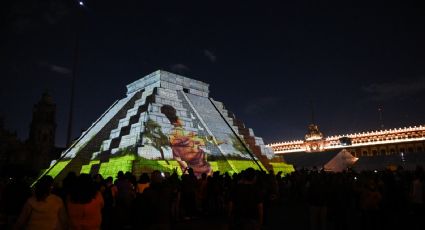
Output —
<point x="166" y="122"/>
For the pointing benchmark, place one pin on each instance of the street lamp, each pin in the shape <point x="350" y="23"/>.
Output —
<point x="74" y="74"/>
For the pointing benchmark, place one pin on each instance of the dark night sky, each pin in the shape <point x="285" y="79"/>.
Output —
<point x="265" y="61"/>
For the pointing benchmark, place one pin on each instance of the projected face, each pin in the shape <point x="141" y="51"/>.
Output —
<point x="186" y="145"/>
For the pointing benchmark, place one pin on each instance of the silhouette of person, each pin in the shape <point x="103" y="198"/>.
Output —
<point x="44" y="210"/>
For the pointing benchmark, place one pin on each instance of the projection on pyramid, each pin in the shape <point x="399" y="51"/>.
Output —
<point x="166" y="122"/>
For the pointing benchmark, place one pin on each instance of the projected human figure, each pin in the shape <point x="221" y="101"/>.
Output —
<point x="186" y="145"/>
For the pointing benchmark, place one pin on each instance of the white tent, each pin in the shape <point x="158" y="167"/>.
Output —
<point x="341" y="161"/>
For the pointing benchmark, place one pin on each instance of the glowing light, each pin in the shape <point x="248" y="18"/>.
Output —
<point x="81" y="3"/>
<point x="379" y="137"/>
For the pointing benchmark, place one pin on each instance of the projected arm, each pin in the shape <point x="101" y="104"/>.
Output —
<point x="215" y="141"/>
<point x="181" y="162"/>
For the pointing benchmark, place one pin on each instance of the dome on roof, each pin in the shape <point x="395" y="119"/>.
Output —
<point x="313" y="133"/>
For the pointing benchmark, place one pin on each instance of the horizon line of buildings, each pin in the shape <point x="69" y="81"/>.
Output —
<point x="371" y="143"/>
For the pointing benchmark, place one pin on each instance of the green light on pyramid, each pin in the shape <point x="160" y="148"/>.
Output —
<point x="58" y="167"/>
<point x="282" y="167"/>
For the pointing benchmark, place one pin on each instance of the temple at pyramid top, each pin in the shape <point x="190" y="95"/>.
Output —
<point x="166" y="122"/>
<point x="167" y="80"/>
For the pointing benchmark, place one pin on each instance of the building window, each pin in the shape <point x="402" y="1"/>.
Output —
<point x="383" y="152"/>
<point x="410" y="150"/>
<point x="419" y="149"/>
<point x="374" y="153"/>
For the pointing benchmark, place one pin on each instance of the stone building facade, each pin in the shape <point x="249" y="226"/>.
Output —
<point x="35" y="153"/>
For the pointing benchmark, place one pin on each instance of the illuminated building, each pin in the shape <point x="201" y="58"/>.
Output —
<point x="166" y="122"/>
<point x="390" y="145"/>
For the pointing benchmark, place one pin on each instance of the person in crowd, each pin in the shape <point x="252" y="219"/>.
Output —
<point x="417" y="190"/>
<point x="68" y="183"/>
<point x="246" y="205"/>
<point x="175" y="186"/>
<point x="15" y="194"/>
<point x="99" y="182"/>
<point x="318" y="201"/>
<point x="370" y="199"/>
<point x="201" y="193"/>
<point x="109" y="194"/>
<point x="417" y="195"/>
<point x="143" y="183"/>
<point x="154" y="205"/>
<point x="188" y="194"/>
<point x="43" y="210"/>
<point x="124" y="199"/>
<point x="85" y="205"/>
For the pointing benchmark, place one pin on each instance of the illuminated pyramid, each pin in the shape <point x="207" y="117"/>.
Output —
<point x="166" y="122"/>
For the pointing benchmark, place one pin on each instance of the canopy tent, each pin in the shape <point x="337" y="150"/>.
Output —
<point x="341" y="161"/>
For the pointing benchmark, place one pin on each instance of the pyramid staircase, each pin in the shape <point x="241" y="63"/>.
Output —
<point x="85" y="153"/>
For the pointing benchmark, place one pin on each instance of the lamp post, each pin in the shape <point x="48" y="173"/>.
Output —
<point x="381" y="120"/>
<point x="74" y="72"/>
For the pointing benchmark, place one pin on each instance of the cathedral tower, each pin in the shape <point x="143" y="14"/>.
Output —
<point x="42" y="132"/>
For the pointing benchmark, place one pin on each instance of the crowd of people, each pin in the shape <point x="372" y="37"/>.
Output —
<point x="250" y="199"/>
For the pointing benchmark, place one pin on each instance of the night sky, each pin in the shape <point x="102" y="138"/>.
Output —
<point x="267" y="61"/>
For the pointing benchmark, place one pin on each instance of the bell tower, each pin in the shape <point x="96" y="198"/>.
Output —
<point x="314" y="139"/>
<point x="42" y="131"/>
